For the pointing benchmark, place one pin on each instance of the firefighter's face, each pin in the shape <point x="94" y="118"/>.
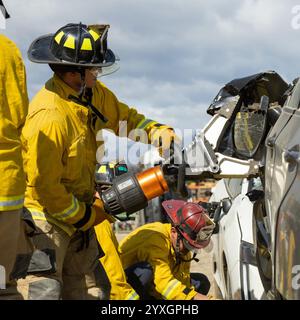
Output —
<point x="174" y="237"/>
<point x="91" y="77"/>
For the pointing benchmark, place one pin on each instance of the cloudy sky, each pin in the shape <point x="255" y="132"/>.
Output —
<point x="175" y="54"/>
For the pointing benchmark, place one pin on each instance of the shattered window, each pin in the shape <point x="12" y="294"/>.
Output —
<point x="248" y="130"/>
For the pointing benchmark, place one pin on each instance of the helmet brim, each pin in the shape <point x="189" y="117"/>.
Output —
<point x="3" y="10"/>
<point x="39" y="52"/>
<point x="194" y="248"/>
<point x="194" y="244"/>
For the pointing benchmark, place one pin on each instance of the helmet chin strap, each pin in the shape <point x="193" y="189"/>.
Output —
<point x="82" y="76"/>
<point x="178" y="255"/>
<point x="81" y="92"/>
<point x="88" y="95"/>
<point x="193" y="258"/>
<point x="177" y="249"/>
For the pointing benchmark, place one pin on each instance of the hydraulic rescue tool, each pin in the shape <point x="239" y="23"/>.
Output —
<point x="132" y="192"/>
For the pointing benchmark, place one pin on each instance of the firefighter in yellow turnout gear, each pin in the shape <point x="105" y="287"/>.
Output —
<point x="60" y="156"/>
<point x="156" y="257"/>
<point x="119" y="287"/>
<point x="13" y="110"/>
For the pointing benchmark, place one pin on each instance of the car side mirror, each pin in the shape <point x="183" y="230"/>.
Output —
<point x="215" y="211"/>
<point x="210" y="207"/>
<point x="217" y="214"/>
<point x="217" y="217"/>
<point x="226" y="205"/>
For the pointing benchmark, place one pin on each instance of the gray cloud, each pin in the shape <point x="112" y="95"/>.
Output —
<point x="175" y="54"/>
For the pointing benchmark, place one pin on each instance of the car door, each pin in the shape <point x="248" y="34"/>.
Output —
<point x="282" y="198"/>
<point x="226" y="240"/>
<point x="231" y="239"/>
<point x="219" y="192"/>
<point x="280" y="142"/>
<point x="251" y="284"/>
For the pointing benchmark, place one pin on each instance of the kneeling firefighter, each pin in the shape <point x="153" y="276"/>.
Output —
<point x="156" y="257"/>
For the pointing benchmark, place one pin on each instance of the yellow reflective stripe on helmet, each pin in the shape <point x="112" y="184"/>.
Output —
<point x="59" y="36"/>
<point x="69" y="212"/>
<point x="86" y="44"/>
<point x="94" y="34"/>
<point x="170" y="288"/>
<point x="145" y="123"/>
<point x="70" y="42"/>
<point x="132" y="296"/>
<point x="11" y="203"/>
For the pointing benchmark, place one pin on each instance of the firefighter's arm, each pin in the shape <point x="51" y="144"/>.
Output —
<point x="14" y="107"/>
<point x="170" y="287"/>
<point x="122" y="119"/>
<point x="15" y="86"/>
<point x="45" y="167"/>
<point x="120" y="288"/>
<point x="165" y="281"/>
<point x="125" y="120"/>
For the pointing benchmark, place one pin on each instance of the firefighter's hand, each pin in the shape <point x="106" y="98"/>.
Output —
<point x="200" y="296"/>
<point x="101" y="214"/>
<point x="211" y="297"/>
<point x="164" y="138"/>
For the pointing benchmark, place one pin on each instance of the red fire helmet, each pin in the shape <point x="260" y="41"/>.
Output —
<point x="191" y="220"/>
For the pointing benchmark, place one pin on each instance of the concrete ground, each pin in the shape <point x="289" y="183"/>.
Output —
<point x="205" y="264"/>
